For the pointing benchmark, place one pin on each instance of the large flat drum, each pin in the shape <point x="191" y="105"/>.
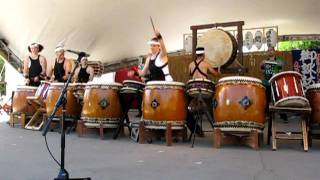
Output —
<point x="220" y="47"/>
<point x="164" y="102"/>
<point x="239" y="104"/>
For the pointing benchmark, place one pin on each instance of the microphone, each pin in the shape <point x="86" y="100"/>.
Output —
<point x="79" y="53"/>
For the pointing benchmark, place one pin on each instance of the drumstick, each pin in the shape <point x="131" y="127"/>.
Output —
<point x="154" y="29"/>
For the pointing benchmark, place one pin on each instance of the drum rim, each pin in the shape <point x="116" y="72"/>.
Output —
<point x="314" y="86"/>
<point x="282" y="73"/>
<point x="60" y="84"/>
<point x="104" y="84"/>
<point x="291" y="98"/>
<point x="133" y="81"/>
<point x="236" y="78"/>
<point x="26" y="87"/>
<point x="199" y="80"/>
<point x="169" y="83"/>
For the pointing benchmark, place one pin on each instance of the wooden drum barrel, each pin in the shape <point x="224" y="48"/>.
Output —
<point x="239" y="104"/>
<point x="73" y="108"/>
<point x="101" y="104"/>
<point x="164" y="102"/>
<point x="313" y="95"/>
<point x="19" y="100"/>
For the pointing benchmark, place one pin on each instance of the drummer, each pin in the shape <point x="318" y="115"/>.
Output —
<point x="270" y="67"/>
<point x="199" y="67"/>
<point x="62" y="66"/>
<point x="156" y="61"/>
<point x="35" y="65"/>
<point x="84" y="72"/>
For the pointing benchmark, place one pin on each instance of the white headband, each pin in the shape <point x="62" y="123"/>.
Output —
<point x="34" y="45"/>
<point x="200" y="52"/>
<point x="59" y="48"/>
<point x="153" y="43"/>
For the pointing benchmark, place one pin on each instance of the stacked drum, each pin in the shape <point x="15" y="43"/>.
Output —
<point x="239" y="104"/>
<point x="164" y="102"/>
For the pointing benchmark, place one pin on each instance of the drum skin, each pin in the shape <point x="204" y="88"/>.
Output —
<point x="19" y="100"/>
<point x="227" y="97"/>
<point x="172" y="103"/>
<point x="313" y="95"/>
<point x="73" y="108"/>
<point x="94" y="95"/>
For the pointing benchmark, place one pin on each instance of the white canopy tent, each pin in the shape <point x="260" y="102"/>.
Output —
<point x="112" y="30"/>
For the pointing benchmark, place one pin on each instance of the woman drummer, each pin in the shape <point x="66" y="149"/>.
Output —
<point x="156" y="61"/>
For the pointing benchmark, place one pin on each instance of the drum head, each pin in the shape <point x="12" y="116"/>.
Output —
<point x="220" y="47"/>
<point x="240" y="78"/>
<point x="293" y="101"/>
<point x="164" y="83"/>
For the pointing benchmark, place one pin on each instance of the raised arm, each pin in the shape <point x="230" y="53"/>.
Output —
<point x="163" y="52"/>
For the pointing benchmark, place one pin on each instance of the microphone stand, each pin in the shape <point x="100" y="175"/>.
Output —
<point x="62" y="101"/>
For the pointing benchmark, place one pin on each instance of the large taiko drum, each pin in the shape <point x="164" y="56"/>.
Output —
<point x="287" y="90"/>
<point x="101" y="104"/>
<point x="73" y="108"/>
<point x="220" y="47"/>
<point x="239" y="104"/>
<point x="313" y="95"/>
<point x="198" y="86"/>
<point x="19" y="100"/>
<point x="164" y="102"/>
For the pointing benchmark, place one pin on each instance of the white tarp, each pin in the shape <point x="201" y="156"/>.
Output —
<point x="111" y="30"/>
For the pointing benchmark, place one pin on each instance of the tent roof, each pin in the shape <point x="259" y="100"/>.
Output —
<point x="112" y="30"/>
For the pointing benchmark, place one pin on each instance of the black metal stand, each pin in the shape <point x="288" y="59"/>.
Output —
<point x="201" y="107"/>
<point x="126" y="106"/>
<point x="62" y="101"/>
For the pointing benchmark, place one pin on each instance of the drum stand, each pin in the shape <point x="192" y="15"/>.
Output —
<point x="200" y="108"/>
<point x="126" y="106"/>
<point x="62" y="101"/>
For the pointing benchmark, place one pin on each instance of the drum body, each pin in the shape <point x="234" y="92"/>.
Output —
<point x="239" y="103"/>
<point x="19" y="100"/>
<point x="73" y="108"/>
<point x="199" y="86"/>
<point x="313" y="95"/>
<point x="130" y="86"/>
<point x="164" y="102"/>
<point x="287" y="90"/>
<point x="220" y="47"/>
<point x="101" y="104"/>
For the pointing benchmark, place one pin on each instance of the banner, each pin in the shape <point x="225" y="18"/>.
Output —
<point x="307" y="63"/>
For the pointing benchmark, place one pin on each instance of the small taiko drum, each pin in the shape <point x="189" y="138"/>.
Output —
<point x="198" y="86"/>
<point x="78" y="90"/>
<point x="239" y="104"/>
<point x="313" y="95"/>
<point x="287" y="90"/>
<point x="40" y="94"/>
<point x="164" y="102"/>
<point x="19" y="100"/>
<point x="73" y="108"/>
<point x="130" y="86"/>
<point x="101" y="105"/>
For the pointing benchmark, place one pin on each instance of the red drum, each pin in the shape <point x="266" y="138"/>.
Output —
<point x="19" y="100"/>
<point x="313" y="95"/>
<point x="287" y="90"/>
<point x="101" y="104"/>
<point x="201" y="86"/>
<point x="164" y="102"/>
<point x="73" y="108"/>
<point x="239" y="104"/>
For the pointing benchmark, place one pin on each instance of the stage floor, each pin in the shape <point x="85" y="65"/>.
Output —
<point x="23" y="156"/>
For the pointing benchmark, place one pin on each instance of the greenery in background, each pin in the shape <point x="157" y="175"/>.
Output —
<point x="2" y="85"/>
<point x="292" y="45"/>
